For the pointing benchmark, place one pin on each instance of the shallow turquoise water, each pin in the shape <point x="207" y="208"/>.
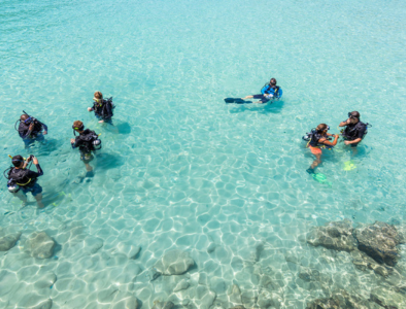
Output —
<point x="181" y="169"/>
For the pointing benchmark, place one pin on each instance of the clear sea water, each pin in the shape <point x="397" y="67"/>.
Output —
<point x="183" y="170"/>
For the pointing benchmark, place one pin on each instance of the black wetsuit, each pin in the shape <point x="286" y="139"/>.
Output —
<point x="82" y="141"/>
<point x="23" y="129"/>
<point x="103" y="110"/>
<point x="354" y="131"/>
<point x="25" y="179"/>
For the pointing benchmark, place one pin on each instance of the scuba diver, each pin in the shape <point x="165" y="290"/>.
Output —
<point x="319" y="139"/>
<point x="30" y="129"/>
<point x="103" y="109"/>
<point x="87" y="141"/>
<point x="22" y="180"/>
<point x="269" y="92"/>
<point x="354" y="130"/>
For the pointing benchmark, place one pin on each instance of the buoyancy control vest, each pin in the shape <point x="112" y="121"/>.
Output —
<point x="276" y="91"/>
<point x="90" y="141"/>
<point x="104" y="109"/>
<point x="19" y="176"/>
<point x="351" y="132"/>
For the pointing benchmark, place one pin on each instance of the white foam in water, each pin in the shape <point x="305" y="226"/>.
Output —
<point x="194" y="201"/>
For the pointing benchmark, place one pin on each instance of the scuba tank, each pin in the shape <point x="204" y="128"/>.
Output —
<point x="92" y="139"/>
<point x="17" y="178"/>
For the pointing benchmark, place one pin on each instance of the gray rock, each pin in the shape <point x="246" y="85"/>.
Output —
<point x="46" y="281"/>
<point x="40" y="245"/>
<point x="128" y="303"/>
<point x="7" y="242"/>
<point x="379" y="241"/>
<point x="128" y="248"/>
<point x="340" y="300"/>
<point x="93" y="244"/>
<point x="175" y="262"/>
<point x="388" y="298"/>
<point x="363" y="262"/>
<point x="335" y="235"/>
<point x="163" y="305"/>
<point x="235" y="294"/>
<point x="182" y="285"/>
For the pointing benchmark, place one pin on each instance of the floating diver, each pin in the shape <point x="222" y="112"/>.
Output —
<point x="270" y="91"/>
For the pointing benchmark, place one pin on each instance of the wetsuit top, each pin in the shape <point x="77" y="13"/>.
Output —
<point x="103" y="110"/>
<point x="24" y="177"/>
<point x="354" y="131"/>
<point x="84" y="141"/>
<point x="271" y="90"/>
<point x="23" y="129"/>
<point x="314" y="141"/>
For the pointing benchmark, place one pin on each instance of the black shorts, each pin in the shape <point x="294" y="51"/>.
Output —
<point x="261" y="97"/>
<point x="86" y="157"/>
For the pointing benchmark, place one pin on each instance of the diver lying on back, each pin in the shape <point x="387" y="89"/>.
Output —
<point x="30" y="129"/>
<point x="318" y="139"/>
<point x="269" y="92"/>
<point x="103" y="109"/>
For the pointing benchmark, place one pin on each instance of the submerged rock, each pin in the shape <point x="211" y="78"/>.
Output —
<point x="363" y="261"/>
<point x="7" y="242"/>
<point x="128" y="303"/>
<point x="182" y="285"/>
<point x="175" y="262"/>
<point x="340" y="300"/>
<point x="379" y="241"/>
<point x="388" y="298"/>
<point x="335" y="235"/>
<point x="235" y="294"/>
<point x="40" y="245"/>
<point x="162" y="305"/>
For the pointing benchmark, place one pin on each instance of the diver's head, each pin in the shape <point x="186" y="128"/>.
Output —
<point x="18" y="161"/>
<point x="25" y="118"/>
<point x="354" y="116"/>
<point x="78" y="126"/>
<point x="322" y="128"/>
<point x="98" y="97"/>
<point x="272" y="82"/>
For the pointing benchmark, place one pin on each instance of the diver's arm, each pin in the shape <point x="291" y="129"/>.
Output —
<point x="344" y="123"/>
<point x="328" y="143"/>
<point x="355" y="141"/>
<point x="32" y="174"/>
<point x="75" y="143"/>
<point x="44" y="127"/>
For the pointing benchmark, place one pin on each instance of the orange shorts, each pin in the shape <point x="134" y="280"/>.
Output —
<point x="315" y="150"/>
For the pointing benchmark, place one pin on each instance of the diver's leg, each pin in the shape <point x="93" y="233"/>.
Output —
<point x="316" y="162"/>
<point x="354" y="150"/>
<point x="248" y="97"/>
<point x="22" y="196"/>
<point x="89" y="168"/>
<point x="38" y="197"/>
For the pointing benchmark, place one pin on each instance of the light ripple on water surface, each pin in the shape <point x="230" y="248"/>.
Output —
<point x="183" y="170"/>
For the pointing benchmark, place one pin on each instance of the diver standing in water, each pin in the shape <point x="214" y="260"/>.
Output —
<point x="103" y="109"/>
<point x="354" y="130"/>
<point x="269" y="92"/>
<point x="319" y="139"/>
<point x="87" y="141"/>
<point x="22" y="180"/>
<point x="30" y="129"/>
